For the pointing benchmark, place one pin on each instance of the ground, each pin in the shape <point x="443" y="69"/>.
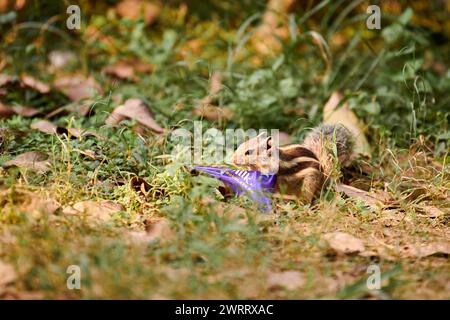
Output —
<point x="98" y="188"/>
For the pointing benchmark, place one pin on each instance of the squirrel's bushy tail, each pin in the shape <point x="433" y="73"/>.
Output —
<point x="326" y="138"/>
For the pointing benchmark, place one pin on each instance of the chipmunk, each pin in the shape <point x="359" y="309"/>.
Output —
<point x="302" y="169"/>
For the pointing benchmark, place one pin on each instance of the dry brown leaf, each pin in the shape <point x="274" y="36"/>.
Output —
<point x="7" y="275"/>
<point x="290" y="280"/>
<point x="436" y="248"/>
<point x="393" y="217"/>
<point x="25" y="111"/>
<point x="134" y="109"/>
<point x="333" y="113"/>
<point x="213" y="113"/>
<point x="50" y="128"/>
<point x="45" y="126"/>
<point x="5" y="79"/>
<point x="344" y="243"/>
<point x="371" y="199"/>
<point x="16" y="5"/>
<point x="127" y="69"/>
<point x="426" y="250"/>
<point x="99" y="211"/>
<point x="432" y="212"/>
<point x="135" y="9"/>
<point x="35" y="84"/>
<point x="34" y="160"/>
<point x="37" y="206"/>
<point x="77" y="87"/>
<point x="6" y="111"/>
<point x="121" y="70"/>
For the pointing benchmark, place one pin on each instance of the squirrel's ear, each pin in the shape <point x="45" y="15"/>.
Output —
<point x="269" y="142"/>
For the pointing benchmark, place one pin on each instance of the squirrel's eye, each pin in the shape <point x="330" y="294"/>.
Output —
<point x="248" y="152"/>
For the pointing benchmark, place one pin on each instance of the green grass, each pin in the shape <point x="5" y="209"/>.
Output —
<point x="216" y="248"/>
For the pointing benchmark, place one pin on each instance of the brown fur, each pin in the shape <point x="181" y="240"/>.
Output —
<point x="303" y="169"/>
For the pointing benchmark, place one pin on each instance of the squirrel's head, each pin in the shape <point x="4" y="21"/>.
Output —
<point x="255" y="153"/>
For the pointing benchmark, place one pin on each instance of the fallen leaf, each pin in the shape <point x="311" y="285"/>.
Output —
<point x="45" y="126"/>
<point x="78" y="87"/>
<point x="290" y="280"/>
<point x="426" y="250"/>
<point x="5" y="79"/>
<point x="48" y="127"/>
<point x="135" y="9"/>
<point x="127" y="69"/>
<point x="134" y="109"/>
<point x="34" y="160"/>
<point x="213" y="113"/>
<point x="392" y="217"/>
<point x="6" y="5"/>
<point x="371" y="199"/>
<point x="344" y="243"/>
<point x="98" y="211"/>
<point x="35" y="84"/>
<point x="436" y="248"/>
<point x="6" y="111"/>
<point x="121" y="70"/>
<point x="25" y="111"/>
<point x="335" y="114"/>
<point x="37" y="206"/>
<point x="431" y="211"/>
<point x="7" y="275"/>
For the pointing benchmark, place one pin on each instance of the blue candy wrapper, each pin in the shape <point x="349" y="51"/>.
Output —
<point x="250" y="182"/>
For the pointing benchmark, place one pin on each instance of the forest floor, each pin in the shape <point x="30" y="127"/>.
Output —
<point x="87" y="183"/>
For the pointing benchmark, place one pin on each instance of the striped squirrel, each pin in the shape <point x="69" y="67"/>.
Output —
<point x="302" y="169"/>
